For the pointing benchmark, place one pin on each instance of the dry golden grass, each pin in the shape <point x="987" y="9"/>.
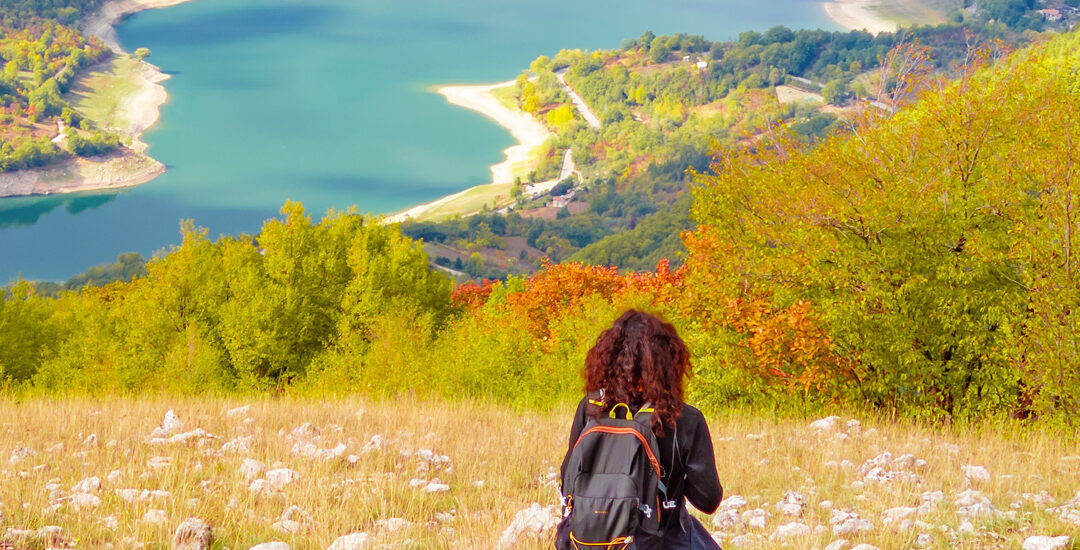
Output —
<point x="512" y="452"/>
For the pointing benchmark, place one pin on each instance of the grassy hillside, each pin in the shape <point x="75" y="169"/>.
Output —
<point x="456" y="474"/>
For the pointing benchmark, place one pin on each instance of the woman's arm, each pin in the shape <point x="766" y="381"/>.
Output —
<point x="575" y="431"/>
<point x="703" y="488"/>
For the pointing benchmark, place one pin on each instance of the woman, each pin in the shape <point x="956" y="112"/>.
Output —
<point x="640" y="360"/>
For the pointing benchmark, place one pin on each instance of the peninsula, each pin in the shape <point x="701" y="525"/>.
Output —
<point x="122" y="94"/>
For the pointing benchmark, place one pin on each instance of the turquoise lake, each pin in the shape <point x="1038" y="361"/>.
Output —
<point x="329" y="102"/>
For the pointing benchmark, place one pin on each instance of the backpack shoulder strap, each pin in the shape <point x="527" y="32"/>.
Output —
<point x="643" y="418"/>
<point x="596" y="398"/>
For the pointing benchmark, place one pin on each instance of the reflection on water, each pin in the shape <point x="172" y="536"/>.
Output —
<point x="15" y="211"/>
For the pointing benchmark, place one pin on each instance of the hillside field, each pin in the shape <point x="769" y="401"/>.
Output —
<point x="403" y="473"/>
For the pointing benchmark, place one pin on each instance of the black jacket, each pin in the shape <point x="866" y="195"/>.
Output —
<point x="686" y="458"/>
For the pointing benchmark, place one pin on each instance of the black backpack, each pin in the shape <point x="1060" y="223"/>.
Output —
<point x="612" y="483"/>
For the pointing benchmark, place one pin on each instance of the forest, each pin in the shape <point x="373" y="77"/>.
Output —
<point x="919" y="265"/>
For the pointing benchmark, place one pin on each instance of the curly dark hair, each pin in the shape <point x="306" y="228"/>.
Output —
<point x="639" y="360"/>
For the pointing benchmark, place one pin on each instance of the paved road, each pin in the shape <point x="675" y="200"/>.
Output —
<point x="567" y="166"/>
<point x="584" y="109"/>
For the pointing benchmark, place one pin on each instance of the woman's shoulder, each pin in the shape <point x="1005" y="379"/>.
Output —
<point x="691" y="415"/>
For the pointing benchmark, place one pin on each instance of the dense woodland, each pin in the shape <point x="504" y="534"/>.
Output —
<point x="19" y="13"/>
<point x="919" y="265"/>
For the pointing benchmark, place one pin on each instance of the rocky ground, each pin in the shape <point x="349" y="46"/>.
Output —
<point x="274" y="475"/>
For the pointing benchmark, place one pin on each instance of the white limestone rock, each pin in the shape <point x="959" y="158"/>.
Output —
<point x="84" y="500"/>
<point x="897" y="514"/>
<point x="169" y="425"/>
<point x="825" y="424"/>
<point x="792" y="504"/>
<point x="155" y="516"/>
<point x="972" y="503"/>
<point x="352" y="541"/>
<point x="296" y="513"/>
<point x="789" y="530"/>
<point x="287" y="526"/>
<point x="1070" y="515"/>
<point x="87" y="485"/>
<point x="755" y="519"/>
<point x="305" y="432"/>
<point x="391" y="525"/>
<point x="270" y="546"/>
<point x="280" y="477"/>
<point x="20" y="454"/>
<point x="148" y="494"/>
<point x="193" y="534"/>
<point x="838" y="544"/>
<point x="194" y="435"/>
<point x="976" y="474"/>
<point x="436" y="486"/>
<point x="128" y="495"/>
<point x="742" y="541"/>
<point x="1042" y="542"/>
<point x="373" y="444"/>
<point x="241" y="444"/>
<point x="251" y="469"/>
<point x="111" y="523"/>
<point x="532" y="522"/>
<point x="727" y="520"/>
<point x="848" y="522"/>
<point x="884" y="469"/>
<point x="259" y="485"/>
<point x="733" y="502"/>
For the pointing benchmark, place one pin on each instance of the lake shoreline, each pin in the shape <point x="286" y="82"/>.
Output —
<point x="145" y="106"/>
<point x="127" y="167"/>
<point x="529" y="133"/>
<point x="858" y="15"/>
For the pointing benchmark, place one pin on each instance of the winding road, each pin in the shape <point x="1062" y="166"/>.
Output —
<point x="582" y="107"/>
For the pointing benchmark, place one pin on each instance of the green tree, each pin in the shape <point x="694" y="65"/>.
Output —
<point x="834" y="92"/>
<point x="659" y="49"/>
<point x="27" y="335"/>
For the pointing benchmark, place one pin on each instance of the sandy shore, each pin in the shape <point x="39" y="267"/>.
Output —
<point x="529" y="133"/>
<point x="858" y="15"/>
<point x="144" y="107"/>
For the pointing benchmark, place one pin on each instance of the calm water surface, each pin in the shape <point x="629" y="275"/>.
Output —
<point x="328" y="102"/>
